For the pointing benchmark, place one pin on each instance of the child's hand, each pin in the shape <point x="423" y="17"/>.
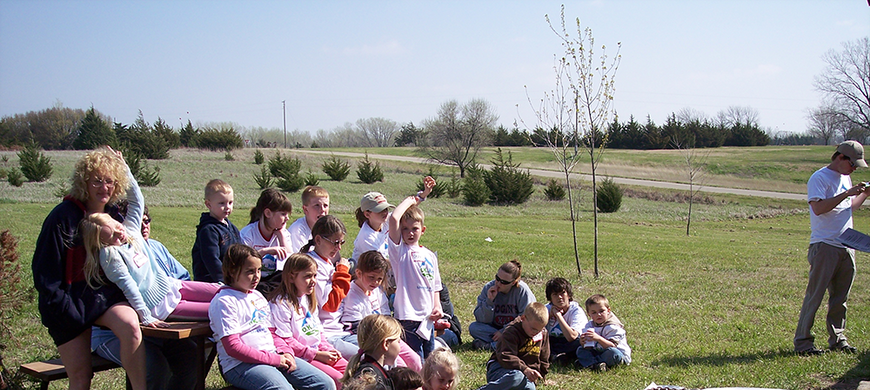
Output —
<point x="342" y="260"/>
<point x="436" y="314"/>
<point x="534" y="375"/>
<point x="497" y="335"/>
<point x="157" y="324"/>
<point x="279" y="251"/>
<point x="287" y="362"/>
<point x="428" y="185"/>
<point x="327" y="357"/>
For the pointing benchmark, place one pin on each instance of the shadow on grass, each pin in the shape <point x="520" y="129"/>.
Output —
<point x="721" y="359"/>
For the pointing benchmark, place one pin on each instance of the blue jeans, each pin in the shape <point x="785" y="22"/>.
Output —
<point x="250" y="376"/>
<point x="420" y="345"/>
<point x="610" y="356"/>
<point x="450" y="338"/>
<point x="501" y="378"/>
<point x="167" y="361"/>
<point x="346" y="345"/>
<point x="481" y="331"/>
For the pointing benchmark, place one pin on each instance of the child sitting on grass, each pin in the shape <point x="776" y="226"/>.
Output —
<point x="566" y="321"/>
<point x="522" y="354"/>
<point x="603" y="338"/>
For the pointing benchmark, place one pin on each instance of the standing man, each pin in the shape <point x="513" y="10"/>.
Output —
<point x="832" y="266"/>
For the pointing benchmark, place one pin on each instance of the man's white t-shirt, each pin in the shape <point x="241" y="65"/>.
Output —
<point x="417" y="278"/>
<point x="823" y="184"/>
<point x="252" y="237"/>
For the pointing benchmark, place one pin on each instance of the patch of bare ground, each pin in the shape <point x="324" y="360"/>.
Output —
<point x="844" y="384"/>
<point x="675" y="197"/>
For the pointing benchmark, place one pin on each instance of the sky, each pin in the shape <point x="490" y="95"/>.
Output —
<point x="334" y="62"/>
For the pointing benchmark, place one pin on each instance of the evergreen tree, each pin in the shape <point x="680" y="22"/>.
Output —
<point x="93" y="132"/>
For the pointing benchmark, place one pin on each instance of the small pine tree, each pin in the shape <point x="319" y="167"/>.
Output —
<point x="15" y="177"/>
<point x="609" y="196"/>
<point x="554" y="190"/>
<point x="439" y="189"/>
<point x="264" y="178"/>
<point x="474" y="189"/>
<point x="148" y="177"/>
<point x="453" y="188"/>
<point x="508" y="184"/>
<point x="258" y="157"/>
<point x="311" y="179"/>
<point x="35" y="165"/>
<point x="290" y="184"/>
<point x="336" y="168"/>
<point x="369" y="172"/>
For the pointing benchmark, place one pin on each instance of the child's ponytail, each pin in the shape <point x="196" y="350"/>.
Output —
<point x="271" y="199"/>
<point x="360" y="216"/>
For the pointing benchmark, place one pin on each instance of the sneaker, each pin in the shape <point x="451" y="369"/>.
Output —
<point x="480" y="344"/>
<point x="844" y="347"/>
<point x="811" y="352"/>
<point x="600" y="367"/>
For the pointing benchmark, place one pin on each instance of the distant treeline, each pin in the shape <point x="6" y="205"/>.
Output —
<point x="62" y="128"/>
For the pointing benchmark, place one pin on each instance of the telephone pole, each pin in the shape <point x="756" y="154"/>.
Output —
<point x="284" y="104"/>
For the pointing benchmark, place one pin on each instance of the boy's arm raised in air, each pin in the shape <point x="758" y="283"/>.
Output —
<point x="396" y="215"/>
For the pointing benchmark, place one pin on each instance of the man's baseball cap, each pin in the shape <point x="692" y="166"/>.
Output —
<point x="854" y="151"/>
<point x="377" y="202"/>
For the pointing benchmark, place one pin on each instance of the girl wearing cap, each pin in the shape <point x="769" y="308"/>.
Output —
<point x="371" y="216"/>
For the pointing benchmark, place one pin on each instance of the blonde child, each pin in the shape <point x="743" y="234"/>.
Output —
<point x="266" y="232"/>
<point x="117" y="251"/>
<point x="379" y="337"/>
<point x="603" y="338"/>
<point x="367" y="297"/>
<point x="239" y="317"/>
<point x="417" y="304"/>
<point x="215" y="233"/>
<point x="521" y="358"/>
<point x="297" y="328"/>
<point x="566" y="321"/>
<point x="333" y="281"/>
<point x="315" y="204"/>
<point x="441" y="370"/>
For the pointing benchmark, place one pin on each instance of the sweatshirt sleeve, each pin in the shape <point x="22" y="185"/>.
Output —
<point x="239" y="350"/>
<point x="484" y="310"/>
<point x="116" y="271"/>
<point x="210" y="251"/>
<point x="507" y="352"/>
<point x="340" y="287"/>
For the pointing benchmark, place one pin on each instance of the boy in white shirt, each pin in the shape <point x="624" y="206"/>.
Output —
<point x="418" y="283"/>
<point x="315" y="204"/>
<point x="566" y="321"/>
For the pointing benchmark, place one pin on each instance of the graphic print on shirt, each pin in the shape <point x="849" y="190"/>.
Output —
<point x="309" y="326"/>
<point x="270" y="264"/>
<point x="531" y="346"/>
<point x="426" y="267"/>
<point x="259" y="314"/>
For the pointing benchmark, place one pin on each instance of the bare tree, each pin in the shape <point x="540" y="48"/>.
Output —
<point x="825" y="123"/>
<point x="845" y="82"/>
<point x="695" y="163"/>
<point x="578" y="110"/>
<point x="377" y="132"/>
<point x="689" y="115"/>
<point x="734" y="115"/>
<point x="457" y="133"/>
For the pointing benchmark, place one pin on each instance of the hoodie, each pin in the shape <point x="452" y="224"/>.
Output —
<point x="212" y="240"/>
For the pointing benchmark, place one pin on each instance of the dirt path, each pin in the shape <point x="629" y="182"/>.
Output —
<point x="574" y="176"/>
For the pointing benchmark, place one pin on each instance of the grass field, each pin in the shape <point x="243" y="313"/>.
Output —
<point x="716" y="308"/>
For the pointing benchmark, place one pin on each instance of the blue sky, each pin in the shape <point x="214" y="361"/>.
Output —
<point x="339" y="61"/>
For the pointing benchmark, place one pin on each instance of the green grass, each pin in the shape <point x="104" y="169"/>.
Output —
<point x="717" y="308"/>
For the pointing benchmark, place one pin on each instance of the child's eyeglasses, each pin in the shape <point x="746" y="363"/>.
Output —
<point x="336" y="242"/>
<point x="502" y="281"/>
<point x="146" y="221"/>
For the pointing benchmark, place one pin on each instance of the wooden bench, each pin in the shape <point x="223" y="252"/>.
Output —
<point x="51" y="370"/>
